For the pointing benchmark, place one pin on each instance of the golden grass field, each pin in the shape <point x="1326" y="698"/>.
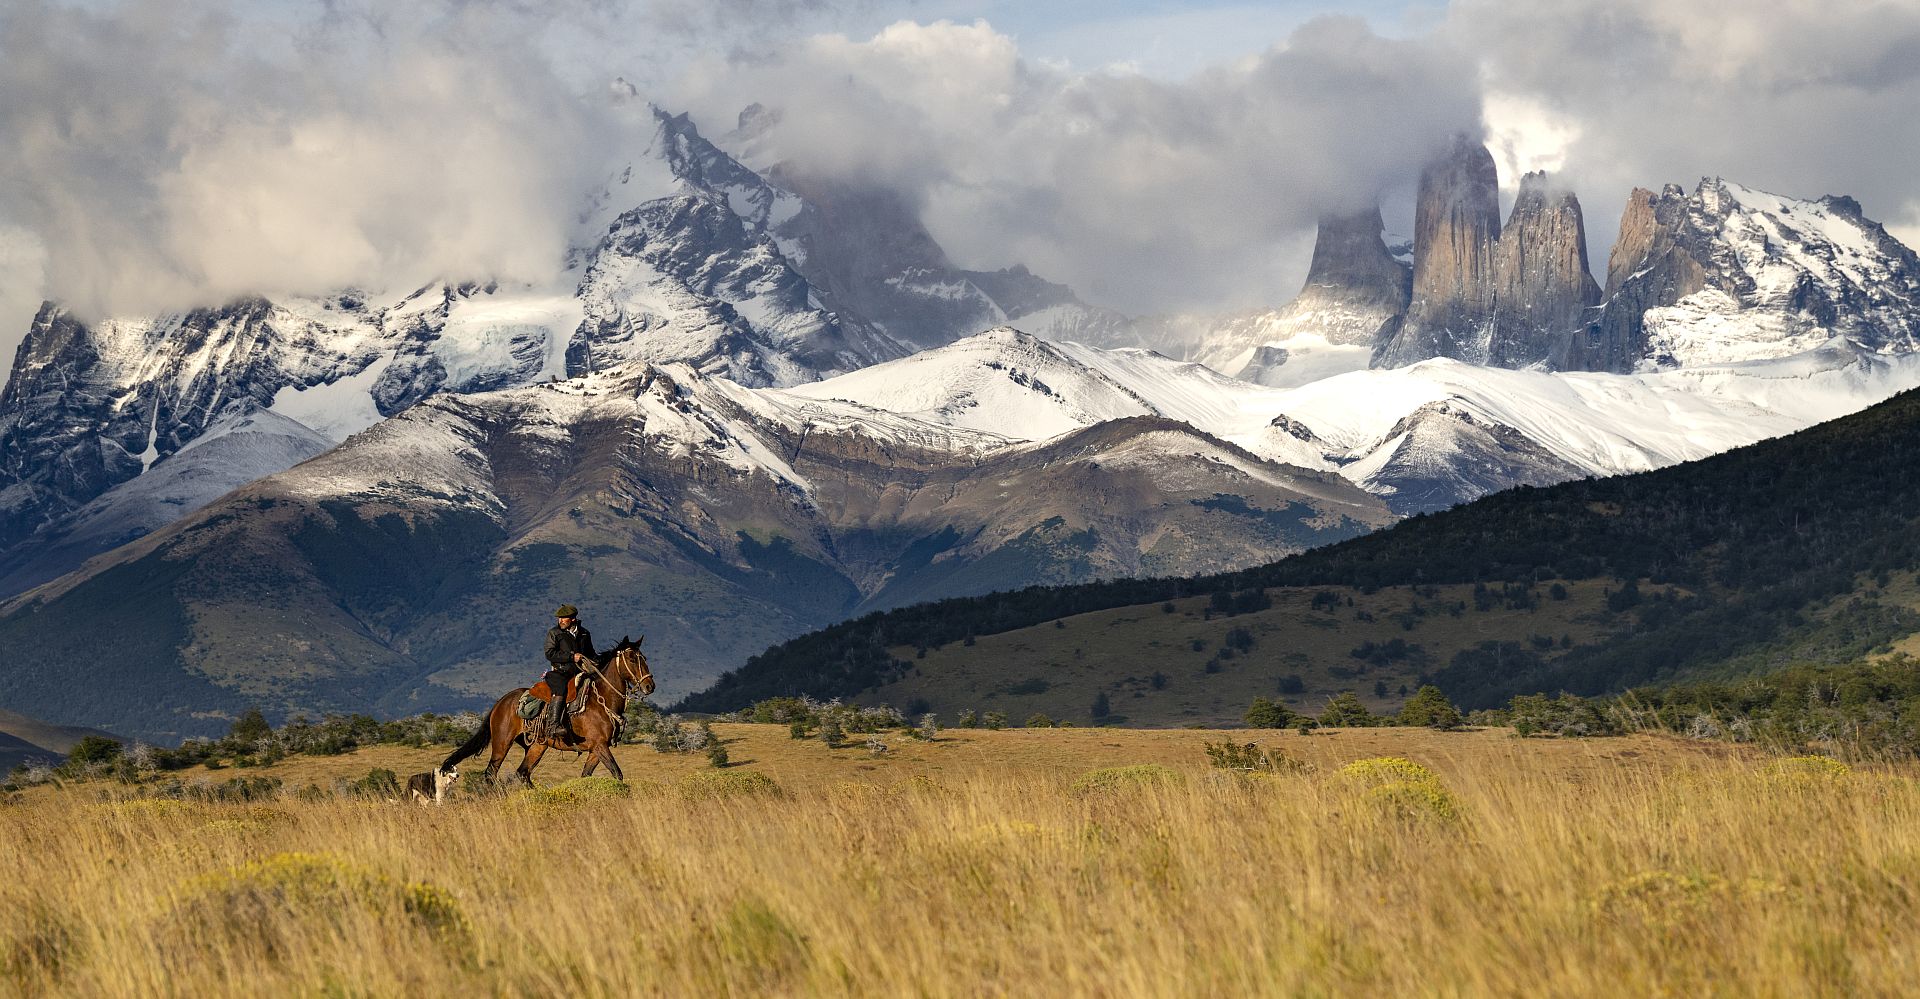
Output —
<point x="989" y="863"/>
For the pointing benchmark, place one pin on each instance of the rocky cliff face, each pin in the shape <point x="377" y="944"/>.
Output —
<point x="1542" y="287"/>
<point x="1355" y="294"/>
<point x="1728" y="273"/>
<point x="1456" y="224"/>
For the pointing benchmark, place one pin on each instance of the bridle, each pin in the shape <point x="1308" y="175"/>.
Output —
<point x="633" y="681"/>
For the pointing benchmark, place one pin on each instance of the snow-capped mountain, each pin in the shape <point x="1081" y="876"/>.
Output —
<point x="1393" y="431"/>
<point x="685" y="255"/>
<point x="404" y="567"/>
<point x="759" y="401"/>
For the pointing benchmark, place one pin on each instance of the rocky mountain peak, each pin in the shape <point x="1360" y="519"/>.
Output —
<point x="1730" y="273"/>
<point x="1456" y="224"/>
<point x="1542" y="284"/>
<point x="1485" y="294"/>
<point x="1355" y="289"/>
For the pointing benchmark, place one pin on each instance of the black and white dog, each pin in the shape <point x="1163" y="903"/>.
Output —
<point x="431" y="788"/>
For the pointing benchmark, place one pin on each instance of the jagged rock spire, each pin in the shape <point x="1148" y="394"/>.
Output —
<point x="1542" y="287"/>
<point x="1456" y="223"/>
<point x="1484" y="294"/>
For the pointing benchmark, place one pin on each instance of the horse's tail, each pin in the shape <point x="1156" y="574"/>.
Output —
<point x="471" y="746"/>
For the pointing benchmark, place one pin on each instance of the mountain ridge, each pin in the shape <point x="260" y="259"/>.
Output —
<point x="1752" y="554"/>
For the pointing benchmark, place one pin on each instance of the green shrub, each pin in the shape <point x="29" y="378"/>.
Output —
<point x="578" y="791"/>
<point x="264" y="898"/>
<point x="378" y="783"/>
<point x="1386" y="770"/>
<point x="93" y="749"/>
<point x="1807" y="769"/>
<point x="1039" y="719"/>
<point x="1402" y="787"/>
<point x="993" y="720"/>
<point x="1561" y="715"/>
<point x="1415" y="799"/>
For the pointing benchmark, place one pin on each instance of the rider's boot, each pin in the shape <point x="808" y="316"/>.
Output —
<point x="556" y="717"/>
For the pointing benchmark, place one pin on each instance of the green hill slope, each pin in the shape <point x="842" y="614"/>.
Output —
<point x="1795" y="549"/>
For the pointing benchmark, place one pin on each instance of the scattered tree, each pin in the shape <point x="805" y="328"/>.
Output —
<point x="1431" y="709"/>
<point x="1267" y="713"/>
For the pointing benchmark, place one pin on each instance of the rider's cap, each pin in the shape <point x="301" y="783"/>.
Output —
<point x="567" y="610"/>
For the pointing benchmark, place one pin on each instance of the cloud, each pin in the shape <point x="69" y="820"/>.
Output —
<point x="1145" y="194"/>
<point x="157" y="154"/>
<point x="1797" y="97"/>
<point x="164" y="155"/>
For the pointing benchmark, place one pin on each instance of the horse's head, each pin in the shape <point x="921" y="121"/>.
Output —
<point x="630" y="666"/>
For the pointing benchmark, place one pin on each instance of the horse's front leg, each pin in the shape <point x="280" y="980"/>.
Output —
<point x="603" y="753"/>
<point x="531" y="760"/>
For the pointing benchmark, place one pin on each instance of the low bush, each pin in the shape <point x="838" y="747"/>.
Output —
<point x="1132" y="776"/>
<point x="1251" y="758"/>
<point x="578" y="791"/>
<point x="707" y="784"/>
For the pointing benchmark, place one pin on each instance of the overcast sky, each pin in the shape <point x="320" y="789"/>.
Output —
<point x="1157" y="156"/>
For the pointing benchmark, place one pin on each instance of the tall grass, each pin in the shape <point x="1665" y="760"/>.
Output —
<point x="1633" y="876"/>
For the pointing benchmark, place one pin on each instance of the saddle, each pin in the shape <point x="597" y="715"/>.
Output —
<point x="535" y="700"/>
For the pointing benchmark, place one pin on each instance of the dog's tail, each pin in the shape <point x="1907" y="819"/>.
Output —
<point x="468" y="748"/>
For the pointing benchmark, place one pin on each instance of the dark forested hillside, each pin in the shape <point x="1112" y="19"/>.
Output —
<point x="1756" y="539"/>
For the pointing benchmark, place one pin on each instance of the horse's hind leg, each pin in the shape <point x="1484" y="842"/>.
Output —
<point x="531" y="760"/>
<point x="503" y="738"/>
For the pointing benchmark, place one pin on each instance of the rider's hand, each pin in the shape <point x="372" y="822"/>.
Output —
<point x="579" y="657"/>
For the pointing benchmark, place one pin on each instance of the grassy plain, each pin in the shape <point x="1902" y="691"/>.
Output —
<point x="988" y="863"/>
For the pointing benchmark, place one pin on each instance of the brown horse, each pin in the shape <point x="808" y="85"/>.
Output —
<point x="590" y="730"/>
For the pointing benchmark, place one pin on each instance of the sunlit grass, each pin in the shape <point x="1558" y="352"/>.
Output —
<point x="1008" y="863"/>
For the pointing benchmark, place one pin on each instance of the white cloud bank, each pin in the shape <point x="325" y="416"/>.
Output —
<point x="158" y="155"/>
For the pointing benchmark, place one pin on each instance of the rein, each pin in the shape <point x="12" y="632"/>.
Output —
<point x="621" y="689"/>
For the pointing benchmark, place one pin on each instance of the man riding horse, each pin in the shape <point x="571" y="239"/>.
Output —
<point x="569" y="647"/>
<point x="614" y="677"/>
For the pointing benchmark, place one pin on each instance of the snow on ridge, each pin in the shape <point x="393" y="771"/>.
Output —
<point x="337" y="409"/>
<point x="1002" y="382"/>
